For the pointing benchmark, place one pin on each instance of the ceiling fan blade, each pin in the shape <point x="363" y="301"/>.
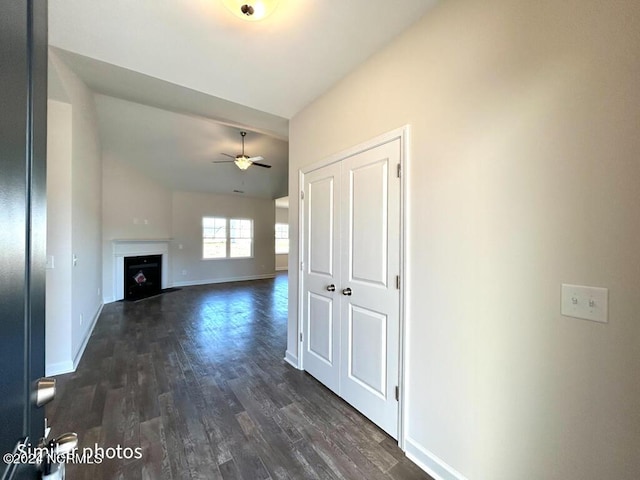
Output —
<point x="264" y="165"/>
<point x="227" y="155"/>
<point x="223" y="161"/>
<point x="256" y="159"/>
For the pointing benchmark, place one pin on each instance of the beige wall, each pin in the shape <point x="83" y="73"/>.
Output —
<point x="524" y="174"/>
<point x="188" y="267"/>
<point x="135" y="207"/>
<point x="84" y="201"/>
<point x="282" y="260"/>
<point x="58" y="354"/>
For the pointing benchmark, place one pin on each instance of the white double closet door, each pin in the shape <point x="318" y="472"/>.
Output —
<point x="352" y="244"/>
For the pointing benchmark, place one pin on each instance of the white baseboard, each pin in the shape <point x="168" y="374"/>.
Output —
<point x="191" y="283"/>
<point x="291" y="359"/>
<point x="78" y="357"/>
<point x="429" y="462"/>
<point x="282" y="269"/>
<point x="58" y="368"/>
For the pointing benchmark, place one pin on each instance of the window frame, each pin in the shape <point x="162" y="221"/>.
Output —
<point x="227" y="238"/>
<point x="251" y="238"/>
<point x="281" y="238"/>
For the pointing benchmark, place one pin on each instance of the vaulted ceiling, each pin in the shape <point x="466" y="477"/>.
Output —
<point x="201" y="64"/>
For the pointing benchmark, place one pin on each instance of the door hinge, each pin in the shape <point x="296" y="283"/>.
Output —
<point x="398" y="282"/>
<point x="301" y="266"/>
<point x="301" y="336"/>
<point x="399" y="170"/>
<point x="397" y="394"/>
<point x="301" y="194"/>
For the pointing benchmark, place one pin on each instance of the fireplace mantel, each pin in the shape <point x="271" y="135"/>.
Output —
<point x="136" y="247"/>
<point x="141" y="240"/>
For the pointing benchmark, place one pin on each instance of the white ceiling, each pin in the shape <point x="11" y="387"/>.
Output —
<point x="277" y="65"/>
<point x="119" y="82"/>
<point x="177" y="150"/>
<point x="177" y="80"/>
<point x="282" y="202"/>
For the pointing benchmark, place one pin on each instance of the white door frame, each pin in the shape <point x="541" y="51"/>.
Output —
<point x="402" y="133"/>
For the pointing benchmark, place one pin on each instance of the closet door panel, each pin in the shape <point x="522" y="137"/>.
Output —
<point x="321" y="271"/>
<point x="370" y="310"/>
<point x="367" y="210"/>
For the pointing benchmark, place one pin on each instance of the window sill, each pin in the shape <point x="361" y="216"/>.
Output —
<point x="227" y="258"/>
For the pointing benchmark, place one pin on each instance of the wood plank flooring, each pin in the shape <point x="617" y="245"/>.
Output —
<point x="196" y="379"/>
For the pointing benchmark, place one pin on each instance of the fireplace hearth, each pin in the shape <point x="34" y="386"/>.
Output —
<point x="142" y="276"/>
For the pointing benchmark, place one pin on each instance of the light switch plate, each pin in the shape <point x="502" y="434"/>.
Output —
<point x="588" y="303"/>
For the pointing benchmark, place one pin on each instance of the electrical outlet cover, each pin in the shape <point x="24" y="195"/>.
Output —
<point x="588" y="303"/>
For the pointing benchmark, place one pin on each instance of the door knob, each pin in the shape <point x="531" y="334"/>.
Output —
<point x="45" y="390"/>
<point x="346" y="291"/>
<point x="331" y="288"/>
<point x="64" y="444"/>
<point x="57" y="448"/>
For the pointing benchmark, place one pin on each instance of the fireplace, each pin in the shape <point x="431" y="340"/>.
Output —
<point x="142" y="276"/>
<point x="138" y="248"/>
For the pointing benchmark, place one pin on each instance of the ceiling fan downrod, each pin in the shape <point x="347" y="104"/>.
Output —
<point x="243" y="134"/>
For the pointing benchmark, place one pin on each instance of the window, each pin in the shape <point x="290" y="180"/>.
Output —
<point x="214" y="237"/>
<point x="282" y="238"/>
<point x="227" y="238"/>
<point x="241" y="237"/>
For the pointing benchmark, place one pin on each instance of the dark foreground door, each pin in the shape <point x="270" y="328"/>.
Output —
<point x="23" y="101"/>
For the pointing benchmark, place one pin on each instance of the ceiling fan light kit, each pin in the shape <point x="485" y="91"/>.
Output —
<point x="251" y="10"/>
<point x="243" y="161"/>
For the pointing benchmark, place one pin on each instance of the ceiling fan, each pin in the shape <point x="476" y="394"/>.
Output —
<point x="243" y="161"/>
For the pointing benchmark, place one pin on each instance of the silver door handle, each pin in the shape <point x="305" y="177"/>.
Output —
<point x="331" y="288"/>
<point x="45" y="390"/>
<point x="346" y="291"/>
<point x="58" y="447"/>
<point x="64" y="444"/>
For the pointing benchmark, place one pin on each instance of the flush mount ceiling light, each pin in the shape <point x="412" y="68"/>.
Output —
<point x="251" y="10"/>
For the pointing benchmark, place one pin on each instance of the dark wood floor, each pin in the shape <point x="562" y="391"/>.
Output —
<point x="196" y="379"/>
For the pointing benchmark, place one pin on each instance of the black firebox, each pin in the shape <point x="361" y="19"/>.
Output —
<point x="142" y="276"/>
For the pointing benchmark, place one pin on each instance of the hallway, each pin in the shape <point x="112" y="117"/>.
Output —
<point x="197" y="380"/>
